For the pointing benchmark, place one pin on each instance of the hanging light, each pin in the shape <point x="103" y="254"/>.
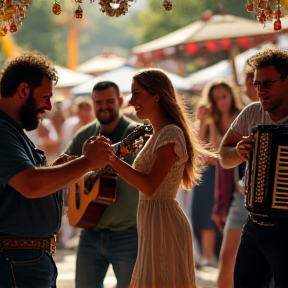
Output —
<point x="268" y="11"/>
<point x="12" y="14"/>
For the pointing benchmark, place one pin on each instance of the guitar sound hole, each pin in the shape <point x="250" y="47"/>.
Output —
<point x="88" y="185"/>
<point x="77" y="197"/>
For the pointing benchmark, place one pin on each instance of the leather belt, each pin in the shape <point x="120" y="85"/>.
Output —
<point x="47" y="244"/>
<point x="265" y="220"/>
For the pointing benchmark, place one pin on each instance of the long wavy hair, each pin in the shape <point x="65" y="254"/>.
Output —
<point x="155" y="81"/>
<point x="207" y="97"/>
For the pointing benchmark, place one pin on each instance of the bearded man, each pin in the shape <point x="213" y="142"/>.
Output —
<point x="30" y="191"/>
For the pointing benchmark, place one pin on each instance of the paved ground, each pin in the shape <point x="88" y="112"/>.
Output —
<point x="65" y="260"/>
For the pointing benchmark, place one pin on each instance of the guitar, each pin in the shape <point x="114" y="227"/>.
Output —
<point x="92" y="194"/>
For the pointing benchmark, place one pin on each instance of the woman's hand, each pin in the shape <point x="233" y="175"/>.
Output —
<point x="219" y="221"/>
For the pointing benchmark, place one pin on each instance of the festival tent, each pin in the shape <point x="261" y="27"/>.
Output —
<point x="211" y="34"/>
<point x="214" y="32"/>
<point x="67" y="78"/>
<point x="221" y="69"/>
<point x="122" y="76"/>
<point x="101" y="64"/>
<point x="70" y="78"/>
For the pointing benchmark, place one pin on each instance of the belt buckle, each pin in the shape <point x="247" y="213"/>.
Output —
<point x="53" y="241"/>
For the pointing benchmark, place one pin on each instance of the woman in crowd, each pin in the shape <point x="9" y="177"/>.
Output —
<point x="222" y="106"/>
<point x="237" y="214"/>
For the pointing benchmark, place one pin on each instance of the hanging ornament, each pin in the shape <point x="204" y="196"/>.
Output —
<point x="12" y="14"/>
<point x="269" y="14"/>
<point x="4" y="31"/>
<point x="250" y="6"/>
<point x="268" y="11"/>
<point x="57" y="9"/>
<point x="277" y="25"/>
<point x="13" y="28"/>
<point x="114" y="8"/>
<point x="278" y="15"/>
<point x="167" y="4"/>
<point x="78" y="14"/>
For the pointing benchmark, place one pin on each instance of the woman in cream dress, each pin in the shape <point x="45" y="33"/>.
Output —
<point x="169" y="159"/>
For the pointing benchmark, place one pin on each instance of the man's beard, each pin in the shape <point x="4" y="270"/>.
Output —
<point x="28" y="114"/>
<point x="106" y="121"/>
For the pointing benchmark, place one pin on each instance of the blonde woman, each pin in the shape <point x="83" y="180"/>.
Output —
<point x="169" y="158"/>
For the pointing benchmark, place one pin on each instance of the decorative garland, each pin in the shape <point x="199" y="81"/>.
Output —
<point x="112" y="8"/>
<point x="268" y="11"/>
<point x="12" y="14"/>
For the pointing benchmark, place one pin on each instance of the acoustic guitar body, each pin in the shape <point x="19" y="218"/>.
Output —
<point x="87" y="204"/>
<point x="89" y="197"/>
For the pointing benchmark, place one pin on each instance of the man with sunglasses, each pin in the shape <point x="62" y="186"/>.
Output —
<point x="30" y="192"/>
<point x="263" y="250"/>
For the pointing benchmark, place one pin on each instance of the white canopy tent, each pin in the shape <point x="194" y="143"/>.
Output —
<point x="216" y="28"/>
<point x="123" y="78"/>
<point x="70" y="78"/>
<point x="101" y="64"/>
<point x="221" y="69"/>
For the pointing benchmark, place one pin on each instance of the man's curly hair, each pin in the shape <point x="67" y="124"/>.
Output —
<point x="272" y="56"/>
<point x="31" y="68"/>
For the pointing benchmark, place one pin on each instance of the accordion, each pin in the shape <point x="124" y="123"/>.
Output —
<point x="267" y="174"/>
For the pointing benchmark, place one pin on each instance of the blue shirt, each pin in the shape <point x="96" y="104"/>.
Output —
<point x="21" y="216"/>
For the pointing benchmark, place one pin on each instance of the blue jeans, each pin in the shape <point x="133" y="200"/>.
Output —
<point x="98" y="249"/>
<point x="262" y="254"/>
<point x="26" y="268"/>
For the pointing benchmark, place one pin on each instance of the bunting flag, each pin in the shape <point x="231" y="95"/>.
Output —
<point x="72" y="43"/>
<point x="212" y="46"/>
<point x="10" y="47"/>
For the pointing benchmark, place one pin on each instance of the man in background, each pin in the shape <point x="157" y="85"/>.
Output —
<point x="114" y="239"/>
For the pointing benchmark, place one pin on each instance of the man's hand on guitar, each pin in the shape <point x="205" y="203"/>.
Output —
<point x="97" y="150"/>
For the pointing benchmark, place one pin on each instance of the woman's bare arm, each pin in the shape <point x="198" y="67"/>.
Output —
<point x="163" y="160"/>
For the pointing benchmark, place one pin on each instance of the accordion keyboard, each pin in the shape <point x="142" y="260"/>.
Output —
<point x="280" y="193"/>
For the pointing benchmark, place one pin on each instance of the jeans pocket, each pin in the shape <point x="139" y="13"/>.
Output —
<point x="29" y="268"/>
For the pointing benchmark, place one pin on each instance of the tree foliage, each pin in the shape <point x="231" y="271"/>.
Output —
<point x="47" y="33"/>
<point x="154" y="21"/>
<point x="40" y="32"/>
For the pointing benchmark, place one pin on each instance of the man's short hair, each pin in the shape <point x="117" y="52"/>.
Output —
<point x="272" y="56"/>
<point x="103" y="85"/>
<point x="31" y="68"/>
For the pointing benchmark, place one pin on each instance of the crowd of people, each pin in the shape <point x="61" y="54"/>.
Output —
<point x="144" y="234"/>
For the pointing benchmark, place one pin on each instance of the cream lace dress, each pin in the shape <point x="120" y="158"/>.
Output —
<point x="165" y="255"/>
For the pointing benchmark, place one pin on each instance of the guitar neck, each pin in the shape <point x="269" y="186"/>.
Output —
<point x="118" y="149"/>
<point x="133" y="142"/>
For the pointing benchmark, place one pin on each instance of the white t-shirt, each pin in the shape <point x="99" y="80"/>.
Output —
<point x="252" y="115"/>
